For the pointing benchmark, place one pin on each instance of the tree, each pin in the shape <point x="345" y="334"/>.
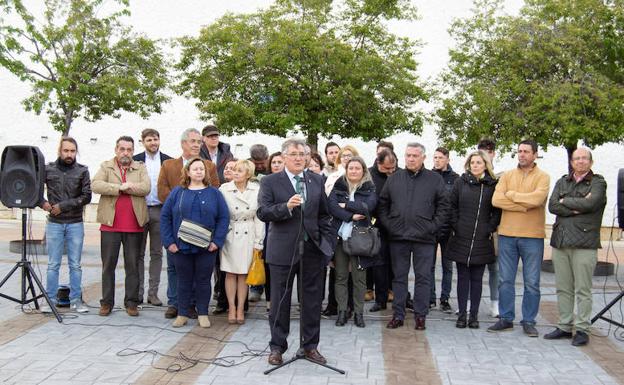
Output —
<point x="79" y="64"/>
<point x="554" y="73"/>
<point x="307" y="66"/>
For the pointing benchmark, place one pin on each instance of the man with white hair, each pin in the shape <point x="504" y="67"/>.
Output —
<point x="413" y="206"/>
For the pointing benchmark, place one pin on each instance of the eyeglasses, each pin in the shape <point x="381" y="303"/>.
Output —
<point x="346" y="156"/>
<point x="296" y="154"/>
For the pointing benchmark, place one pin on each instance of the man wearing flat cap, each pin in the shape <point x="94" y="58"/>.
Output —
<point x="214" y="150"/>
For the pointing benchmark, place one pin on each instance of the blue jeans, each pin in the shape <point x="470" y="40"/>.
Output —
<point x="510" y="251"/>
<point x="57" y="235"/>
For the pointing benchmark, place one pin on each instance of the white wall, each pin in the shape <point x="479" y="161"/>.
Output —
<point x="168" y="18"/>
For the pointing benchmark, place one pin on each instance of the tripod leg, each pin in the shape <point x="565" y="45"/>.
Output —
<point x="6" y="277"/>
<point x="604" y="310"/>
<point x="31" y="273"/>
<point x="31" y="287"/>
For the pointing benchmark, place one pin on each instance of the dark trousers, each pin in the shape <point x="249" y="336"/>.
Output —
<point x="152" y="229"/>
<point x="447" y="273"/>
<point x="420" y="254"/>
<point x="193" y="273"/>
<point x="382" y="274"/>
<point x="281" y="292"/>
<point x="110" y="242"/>
<point x="370" y="280"/>
<point x="469" y="284"/>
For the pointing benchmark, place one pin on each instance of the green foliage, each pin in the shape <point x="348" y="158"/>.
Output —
<point x="553" y="73"/>
<point x="305" y="65"/>
<point x="80" y="64"/>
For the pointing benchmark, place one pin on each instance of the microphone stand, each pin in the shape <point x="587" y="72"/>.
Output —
<point x="300" y="354"/>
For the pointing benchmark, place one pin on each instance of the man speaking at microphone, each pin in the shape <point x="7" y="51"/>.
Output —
<point x="294" y="204"/>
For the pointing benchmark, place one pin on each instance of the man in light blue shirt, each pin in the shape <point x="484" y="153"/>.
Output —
<point x="153" y="158"/>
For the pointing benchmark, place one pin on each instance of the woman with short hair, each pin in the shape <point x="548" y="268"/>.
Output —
<point x="245" y="235"/>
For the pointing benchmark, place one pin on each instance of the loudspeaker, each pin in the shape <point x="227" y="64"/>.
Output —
<point x="620" y="197"/>
<point x="22" y="176"/>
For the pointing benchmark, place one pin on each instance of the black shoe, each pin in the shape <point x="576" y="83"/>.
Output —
<point x="473" y="321"/>
<point x="394" y="323"/>
<point x="529" y="330"/>
<point x="329" y="311"/>
<point x="461" y="321"/>
<point x="409" y="304"/>
<point x="342" y="318"/>
<point x="580" y="339"/>
<point x="557" y="334"/>
<point x="445" y="306"/>
<point x="420" y="323"/>
<point x="219" y="310"/>
<point x="192" y="312"/>
<point x="377" y="307"/>
<point x="501" y="326"/>
<point x="358" y="320"/>
<point x="432" y="304"/>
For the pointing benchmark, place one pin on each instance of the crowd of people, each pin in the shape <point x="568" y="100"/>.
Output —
<point x="297" y="207"/>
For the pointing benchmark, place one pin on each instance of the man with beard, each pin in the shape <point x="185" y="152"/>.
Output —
<point x="153" y="158"/>
<point x="123" y="184"/>
<point x="331" y="153"/>
<point x="68" y="191"/>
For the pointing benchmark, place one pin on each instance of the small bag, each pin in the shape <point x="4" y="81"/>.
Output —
<point x="256" y="275"/>
<point x="195" y="234"/>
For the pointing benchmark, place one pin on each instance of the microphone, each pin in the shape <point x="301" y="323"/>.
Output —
<point x="301" y="189"/>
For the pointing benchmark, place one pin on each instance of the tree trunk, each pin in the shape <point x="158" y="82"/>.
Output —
<point x="570" y="148"/>
<point x="69" y="118"/>
<point x="312" y="140"/>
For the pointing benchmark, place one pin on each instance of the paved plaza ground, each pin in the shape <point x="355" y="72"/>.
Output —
<point x="89" y="349"/>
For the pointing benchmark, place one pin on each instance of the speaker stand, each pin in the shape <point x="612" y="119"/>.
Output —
<point x="28" y="275"/>
<point x="606" y="309"/>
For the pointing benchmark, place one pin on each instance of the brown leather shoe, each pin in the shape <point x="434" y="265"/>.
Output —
<point x="315" y="356"/>
<point x="394" y="323"/>
<point x="192" y="314"/>
<point x="171" y="312"/>
<point x="105" y="309"/>
<point x="132" y="311"/>
<point x="420" y="323"/>
<point x="275" y="358"/>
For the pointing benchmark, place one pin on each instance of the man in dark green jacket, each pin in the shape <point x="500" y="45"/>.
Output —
<point x="578" y="200"/>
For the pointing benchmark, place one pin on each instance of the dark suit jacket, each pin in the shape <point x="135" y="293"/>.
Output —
<point x="171" y="173"/>
<point x="275" y="191"/>
<point x="141" y="157"/>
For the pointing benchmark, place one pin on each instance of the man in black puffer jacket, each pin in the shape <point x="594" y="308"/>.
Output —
<point x="68" y="191"/>
<point x="578" y="200"/>
<point x="413" y="206"/>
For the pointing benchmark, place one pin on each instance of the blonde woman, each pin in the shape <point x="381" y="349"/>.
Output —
<point x="345" y="153"/>
<point x="351" y="201"/>
<point x="245" y="234"/>
<point x="473" y="220"/>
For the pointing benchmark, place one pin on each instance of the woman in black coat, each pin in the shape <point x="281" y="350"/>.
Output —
<point x="351" y="202"/>
<point x="473" y="221"/>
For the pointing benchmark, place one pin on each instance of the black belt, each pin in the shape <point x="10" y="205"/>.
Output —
<point x="155" y="206"/>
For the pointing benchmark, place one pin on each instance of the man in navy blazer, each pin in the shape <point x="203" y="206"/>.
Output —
<point x="153" y="159"/>
<point x="295" y="220"/>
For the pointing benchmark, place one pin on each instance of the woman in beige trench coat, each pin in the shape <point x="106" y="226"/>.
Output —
<point x="246" y="233"/>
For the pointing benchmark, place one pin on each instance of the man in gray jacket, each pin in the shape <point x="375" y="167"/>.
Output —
<point x="578" y="200"/>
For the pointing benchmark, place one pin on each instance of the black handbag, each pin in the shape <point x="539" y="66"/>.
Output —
<point x="365" y="241"/>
